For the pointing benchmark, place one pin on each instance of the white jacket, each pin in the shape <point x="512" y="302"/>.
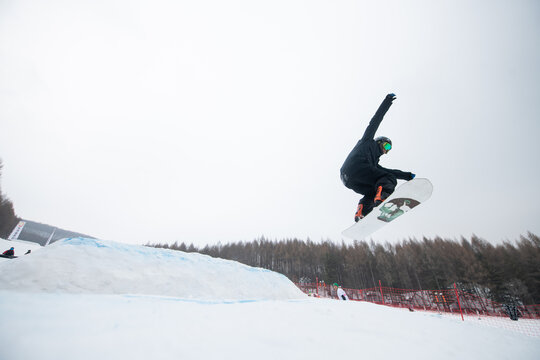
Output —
<point x="341" y="294"/>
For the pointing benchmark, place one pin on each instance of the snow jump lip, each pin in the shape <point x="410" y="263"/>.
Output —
<point x="81" y="265"/>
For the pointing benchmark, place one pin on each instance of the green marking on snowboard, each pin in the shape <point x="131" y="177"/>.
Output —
<point x="405" y="198"/>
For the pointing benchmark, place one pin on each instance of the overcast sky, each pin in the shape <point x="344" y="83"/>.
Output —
<point x="206" y="121"/>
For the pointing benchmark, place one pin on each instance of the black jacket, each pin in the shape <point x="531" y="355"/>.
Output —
<point x="365" y="155"/>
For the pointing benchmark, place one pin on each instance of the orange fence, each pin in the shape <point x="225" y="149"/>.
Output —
<point x="450" y="302"/>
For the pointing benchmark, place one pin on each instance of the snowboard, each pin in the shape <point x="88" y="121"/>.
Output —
<point x="405" y="198"/>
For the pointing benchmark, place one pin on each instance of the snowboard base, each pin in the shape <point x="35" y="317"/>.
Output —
<point x="405" y="198"/>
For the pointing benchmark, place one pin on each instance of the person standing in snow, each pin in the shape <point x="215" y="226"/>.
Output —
<point x="341" y="293"/>
<point x="10" y="252"/>
<point x="361" y="171"/>
<point x="512" y="311"/>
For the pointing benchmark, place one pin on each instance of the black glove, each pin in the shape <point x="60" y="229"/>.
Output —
<point x="391" y="96"/>
<point x="412" y="176"/>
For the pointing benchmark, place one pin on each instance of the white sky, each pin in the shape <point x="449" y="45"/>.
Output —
<point x="207" y="121"/>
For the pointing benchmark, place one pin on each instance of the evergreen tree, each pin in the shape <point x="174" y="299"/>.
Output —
<point x="8" y="219"/>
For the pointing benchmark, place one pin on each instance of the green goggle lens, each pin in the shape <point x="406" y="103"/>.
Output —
<point x="387" y="146"/>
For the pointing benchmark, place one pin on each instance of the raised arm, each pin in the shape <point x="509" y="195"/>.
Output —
<point x="369" y="134"/>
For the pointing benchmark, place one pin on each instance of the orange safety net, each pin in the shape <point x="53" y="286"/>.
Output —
<point x="449" y="302"/>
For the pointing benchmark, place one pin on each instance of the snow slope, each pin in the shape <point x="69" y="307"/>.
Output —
<point x="21" y="247"/>
<point x="80" y="265"/>
<point x="96" y="310"/>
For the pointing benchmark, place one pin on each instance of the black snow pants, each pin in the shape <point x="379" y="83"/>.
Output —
<point x="366" y="180"/>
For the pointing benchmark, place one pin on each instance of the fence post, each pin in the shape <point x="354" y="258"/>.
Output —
<point x="317" y="281"/>
<point x="382" y="296"/>
<point x="459" y="303"/>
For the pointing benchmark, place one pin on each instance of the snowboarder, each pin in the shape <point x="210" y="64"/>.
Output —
<point x="361" y="171"/>
<point x="10" y="252"/>
<point x="341" y="293"/>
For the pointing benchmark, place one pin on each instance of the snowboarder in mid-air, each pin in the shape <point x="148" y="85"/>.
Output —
<point x="361" y="171"/>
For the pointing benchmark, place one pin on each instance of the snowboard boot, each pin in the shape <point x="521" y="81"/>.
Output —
<point x="362" y="211"/>
<point x="359" y="214"/>
<point x="380" y="196"/>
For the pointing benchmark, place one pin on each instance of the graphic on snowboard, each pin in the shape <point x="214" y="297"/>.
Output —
<point x="395" y="208"/>
<point x="405" y="198"/>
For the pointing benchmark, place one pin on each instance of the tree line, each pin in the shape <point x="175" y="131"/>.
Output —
<point x="505" y="272"/>
<point x="8" y="219"/>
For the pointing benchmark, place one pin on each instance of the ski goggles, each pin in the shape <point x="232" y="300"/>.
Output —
<point x="387" y="146"/>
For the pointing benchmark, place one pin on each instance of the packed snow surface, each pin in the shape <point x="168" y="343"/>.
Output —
<point x="21" y="247"/>
<point x="87" y="299"/>
<point x="91" y="266"/>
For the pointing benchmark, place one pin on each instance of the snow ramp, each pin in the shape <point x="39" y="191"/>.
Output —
<point x="91" y="266"/>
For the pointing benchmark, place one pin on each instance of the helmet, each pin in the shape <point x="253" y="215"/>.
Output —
<point x="12" y="248"/>
<point x="335" y="284"/>
<point x="384" y="140"/>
